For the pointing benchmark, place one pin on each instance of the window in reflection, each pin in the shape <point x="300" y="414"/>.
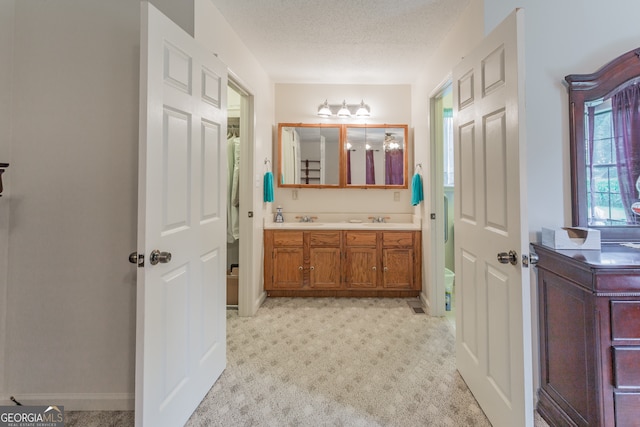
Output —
<point x="613" y="158"/>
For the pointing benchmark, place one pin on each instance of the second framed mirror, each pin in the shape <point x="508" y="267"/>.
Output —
<point x="376" y="156"/>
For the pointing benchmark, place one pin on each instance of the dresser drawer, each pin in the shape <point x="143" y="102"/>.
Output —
<point x="361" y="238"/>
<point x="625" y="320"/>
<point x="397" y="238"/>
<point x="626" y="366"/>
<point x="324" y="238"/>
<point x="287" y="238"/>
<point x="627" y="409"/>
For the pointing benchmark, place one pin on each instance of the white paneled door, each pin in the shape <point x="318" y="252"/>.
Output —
<point x="493" y="316"/>
<point x="181" y="298"/>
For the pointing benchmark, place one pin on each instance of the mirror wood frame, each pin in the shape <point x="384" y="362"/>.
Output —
<point x="342" y="181"/>
<point x="584" y="88"/>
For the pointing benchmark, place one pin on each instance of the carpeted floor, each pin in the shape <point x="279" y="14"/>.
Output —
<point x="332" y="362"/>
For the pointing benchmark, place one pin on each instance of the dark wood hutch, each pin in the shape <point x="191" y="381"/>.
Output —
<point x="589" y="300"/>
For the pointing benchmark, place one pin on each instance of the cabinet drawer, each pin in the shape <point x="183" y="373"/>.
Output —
<point x="625" y="320"/>
<point x="626" y="366"/>
<point x="324" y="238"/>
<point x="397" y="238"/>
<point x="627" y="409"/>
<point x="287" y="238"/>
<point x="361" y="238"/>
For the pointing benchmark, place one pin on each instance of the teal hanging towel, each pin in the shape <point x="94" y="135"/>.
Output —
<point x="268" y="186"/>
<point x="416" y="190"/>
<point x="267" y="190"/>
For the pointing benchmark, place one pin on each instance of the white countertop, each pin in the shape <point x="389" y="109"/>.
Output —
<point x="341" y="226"/>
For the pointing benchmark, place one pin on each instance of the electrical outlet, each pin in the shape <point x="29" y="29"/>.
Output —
<point x="294" y="194"/>
<point x="396" y="196"/>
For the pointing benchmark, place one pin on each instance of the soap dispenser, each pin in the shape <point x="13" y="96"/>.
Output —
<point x="279" y="216"/>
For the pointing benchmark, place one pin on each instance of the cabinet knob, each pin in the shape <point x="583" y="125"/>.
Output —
<point x="373" y="268"/>
<point x="312" y="268"/>
<point x="385" y="269"/>
<point x="300" y="268"/>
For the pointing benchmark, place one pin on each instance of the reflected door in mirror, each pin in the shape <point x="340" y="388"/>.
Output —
<point x="309" y="155"/>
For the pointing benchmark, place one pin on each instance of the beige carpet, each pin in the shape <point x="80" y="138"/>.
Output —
<point x="339" y="362"/>
<point x="333" y="362"/>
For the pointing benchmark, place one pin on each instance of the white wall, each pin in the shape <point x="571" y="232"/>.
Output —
<point x="298" y="103"/>
<point x="461" y="39"/>
<point x="7" y="9"/>
<point x="70" y="312"/>
<point x="213" y="32"/>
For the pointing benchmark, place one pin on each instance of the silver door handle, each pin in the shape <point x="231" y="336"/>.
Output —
<point x="159" y="257"/>
<point x="508" y="258"/>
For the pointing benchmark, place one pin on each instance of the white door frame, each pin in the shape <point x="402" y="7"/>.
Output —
<point x="436" y="273"/>
<point x="247" y="166"/>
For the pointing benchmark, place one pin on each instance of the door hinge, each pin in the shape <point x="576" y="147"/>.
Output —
<point x="433" y="216"/>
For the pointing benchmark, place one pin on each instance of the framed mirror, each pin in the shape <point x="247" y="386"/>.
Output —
<point x="376" y="156"/>
<point x="309" y="155"/>
<point x="604" y="119"/>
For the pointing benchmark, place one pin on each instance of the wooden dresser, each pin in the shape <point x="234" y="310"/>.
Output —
<point x="589" y="317"/>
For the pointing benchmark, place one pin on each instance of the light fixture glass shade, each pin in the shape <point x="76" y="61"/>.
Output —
<point x="363" y="110"/>
<point x="344" y="111"/>
<point x="324" y="110"/>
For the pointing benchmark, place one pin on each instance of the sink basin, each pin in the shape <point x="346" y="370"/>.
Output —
<point x="382" y="224"/>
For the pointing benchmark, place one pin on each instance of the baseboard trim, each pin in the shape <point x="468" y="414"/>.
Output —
<point x="425" y="303"/>
<point x="77" y="401"/>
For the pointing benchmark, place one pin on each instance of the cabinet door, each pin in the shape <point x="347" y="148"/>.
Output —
<point x="324" y="268"/>
<point x="288" y="268"/>
<point x="397" y="267"/>
<point x="361" y="267"/>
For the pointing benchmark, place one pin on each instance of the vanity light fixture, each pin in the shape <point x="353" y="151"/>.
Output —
<point x="324" y="110"/>
<point x="344" y="110"/>
<point x="363" y="110"/>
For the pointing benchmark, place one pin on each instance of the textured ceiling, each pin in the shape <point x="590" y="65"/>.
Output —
<point x="342" y="41"/>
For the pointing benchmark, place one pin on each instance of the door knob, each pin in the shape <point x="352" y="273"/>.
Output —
<point x="133" y="257"/>
<point x="159" y="257"/>
<point x="508" y="258"/>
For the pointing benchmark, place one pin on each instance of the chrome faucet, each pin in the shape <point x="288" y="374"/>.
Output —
<point x="306" y="218"/>
<point x="379" y="218"/>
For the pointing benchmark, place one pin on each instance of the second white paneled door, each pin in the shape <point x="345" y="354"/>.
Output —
<point x="493" y="319"/>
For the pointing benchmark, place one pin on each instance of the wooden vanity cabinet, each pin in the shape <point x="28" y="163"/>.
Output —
<point x="342" y="263"/>
<point x="589" y="329"/>
<point x="302" y="259"/>
<point x="325" y="255"/>
<point x="399" y="261"/>
<point x="361" y="265"/>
